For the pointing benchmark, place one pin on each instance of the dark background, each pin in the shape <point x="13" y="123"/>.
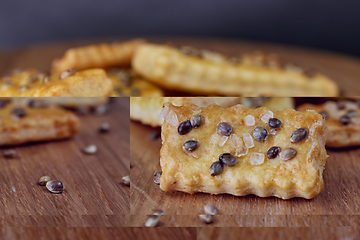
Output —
<point x="329" y="25"/>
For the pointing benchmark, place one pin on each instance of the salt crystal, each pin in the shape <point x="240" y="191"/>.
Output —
<point x="249" y="120"/>
<point x="248" y="140"/>
<point x="331" y="107"/>
<point x="172" y="119"/>
<point x="241" y="151"/>
<point x="257" y="158"/>
<point x="265" y="118"/>
<point x="164" y="111"/>
<point x="236" y="141"/>
<point x="223" y="140"/>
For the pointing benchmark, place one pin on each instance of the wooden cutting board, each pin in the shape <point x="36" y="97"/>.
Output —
<point x="337" y="205"/>
<point x="345" y="70"/>
<point x="94" y="194"/>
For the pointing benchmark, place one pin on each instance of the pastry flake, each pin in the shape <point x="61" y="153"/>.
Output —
<point x="205" y="72"/>
<point x="25" y="120"/>
<point x="243" y="164"/>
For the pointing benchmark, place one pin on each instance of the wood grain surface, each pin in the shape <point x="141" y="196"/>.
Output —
<point x="345" y="70"/>
<point x="337" y="205"/>
<point x="93" y="196"/>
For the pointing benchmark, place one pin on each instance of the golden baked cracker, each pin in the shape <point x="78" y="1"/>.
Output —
<point x="34" y="121"/>
<point x="343" y="122"/>
<point x="252" y="172"/>
<point x="147" y="110"/>
<point x="32" y="83"/>
<point x="103" y="55"/>
<point x="212" y="74"/>
<point x="126" y="84"/>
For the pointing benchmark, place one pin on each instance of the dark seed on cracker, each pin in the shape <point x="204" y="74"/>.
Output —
<point x="184" y="127"/>
<point x="260" y="133"/>
<point x="298" y="135"/>
<point x="224" y="129"/>
<point x="228" y="159"/>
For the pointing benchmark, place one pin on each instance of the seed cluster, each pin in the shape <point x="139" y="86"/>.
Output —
<point x="344" y="111"/>
<point x="54" y="186"/>
<point x="185" y="127"/>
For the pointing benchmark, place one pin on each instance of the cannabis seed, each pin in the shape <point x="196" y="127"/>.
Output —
<point x="19" y="112"/>
<point x="345" y="120"/>
<point x="157" y="176"/>
<point x="104" y="127"/>
<point x="55" y="186"/>
<point x="43" y="180"/>
<point x="37" y="104"/>
<point x="9" y="153"/>
<point x="341" y="105"/>
<point x="196" y="121"/>
<point x="158" y="213"/>
<point x="274" y="123"/>
<point x="67" y="73"/>
<point x="91" y="149"/>
<point x="273" y="152"/>
<point x="102" y="109"/>
<point x="288" y="154"/>
<point x="211" y="209"/>
<point x="351" y="113"/>
<point x="324" y="114"/>
<point x="184" y="127"/>
<point x="154" y="135"/>
<point x="206" y="218"/>
<point x="216" y="168"/>
<point x="135" y="92"/>
<point x="190" y="145"/>
<point x="260" y="133"/>
<point x="152" y="221"/>
<point x="126" y="180"/>
<point x="298" y="135"/>
<point x="228" y="159"/>
<point x="224" y="128"/>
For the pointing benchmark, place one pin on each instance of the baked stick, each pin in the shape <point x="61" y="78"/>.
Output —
<point x="117" y="54"/>
<point x="242" y="151"/>
<point x="34" y="121"/>
<point x="204" y="72"/>
<point x="70" y="83"/>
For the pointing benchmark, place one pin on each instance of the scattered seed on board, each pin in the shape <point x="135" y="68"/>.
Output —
<point x="184" y="127"/>
<point x="55" y="186"/>
<point x="260" y="133"/>
<point x="157" y="176"/>
<point x="19" y="112"/>
<point x="273" y="152"/>
<point x="126" y="180"/>
<point x="91" y="149"/>
<point x="152" y="221"/>
<point x="274" y="123"/>
<point x="345" y="120"/>
<point x="211" y="209"/>
<point x="158" y="213"/>
<point x="228" y="159"/>
<point x="154" y="135"/>
<point x="216" y="168"/>
<point x="9" y="153"/>
<point x="104" y="127"/>
<point x="206" y="218"/>
<point x="196" y="121"/>
<point x="43" y="180"/>
<point x="288" y="154"/>
<point x="298" y="135"/>
<point x="224" y="129"/>
<point x="67" y="73"/>
<point x="190" y="145"/>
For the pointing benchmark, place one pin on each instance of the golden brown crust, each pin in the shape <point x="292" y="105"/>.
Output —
<point x="301" y="176"/>
<point x="147" y="110"/>
<point x="170" y="68"/>
<point x="87" y="83"/>
<point x="39" y="124"/>
<point x="340" y="135"/>
<point x="97" y="56"/>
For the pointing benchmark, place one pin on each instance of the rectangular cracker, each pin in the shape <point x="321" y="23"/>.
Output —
<point x="301" y="176"/>
<point x="39" y="124"/>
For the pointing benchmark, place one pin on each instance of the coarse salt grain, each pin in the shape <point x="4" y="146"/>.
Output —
<point x="223" y="140"/>
<point x="249" y="120"/>
<point x="164" y="111"/>
<point x="331" y="107"/>
<point x="241" y="151"/>
<point x="272" y="131"/>
<point x="265" y="118"/>
<point x="172" y="119"/>
<point x="257" y="158"/>
<point x="248" y="140"/>
<point x="351" y="105"/>
<point x="236" y="141"/>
